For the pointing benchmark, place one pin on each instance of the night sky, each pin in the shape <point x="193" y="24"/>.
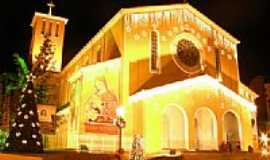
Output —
<point x="247" y="20"/>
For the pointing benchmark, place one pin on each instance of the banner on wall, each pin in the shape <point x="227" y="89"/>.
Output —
<point x="101" y="109"/>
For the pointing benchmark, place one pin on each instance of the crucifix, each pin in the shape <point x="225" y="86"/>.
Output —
<point x="51" y="6"/>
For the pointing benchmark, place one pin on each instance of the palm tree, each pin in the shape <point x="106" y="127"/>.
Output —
<point x="12" y="82"/>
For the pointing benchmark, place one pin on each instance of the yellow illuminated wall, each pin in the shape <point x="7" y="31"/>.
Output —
<point x="148" y="107"/>
<point x="118" y="56"/>
<point x="171" y="30"/>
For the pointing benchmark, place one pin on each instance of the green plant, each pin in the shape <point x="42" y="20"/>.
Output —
<point x="3" y="137"/>
<point x="12" y="83"/>
<point x="41" y="92"/>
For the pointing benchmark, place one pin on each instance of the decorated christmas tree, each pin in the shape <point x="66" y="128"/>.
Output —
<point x="25" y="133"/>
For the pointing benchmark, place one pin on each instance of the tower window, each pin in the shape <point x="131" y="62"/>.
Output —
<point x="154" y="61"/>
<point x="218" y="64"/>
<point x="43" y="27"/>
<point x="50" y="28"/>
<point x="57" y="30"/>
<point x="99" y="55"/>
<point x="253" y="122"/>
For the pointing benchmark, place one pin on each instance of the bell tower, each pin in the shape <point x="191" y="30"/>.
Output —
<point x="53" y="26"/>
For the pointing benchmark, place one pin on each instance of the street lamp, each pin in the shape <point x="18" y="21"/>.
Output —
<point x="120" y="123"/>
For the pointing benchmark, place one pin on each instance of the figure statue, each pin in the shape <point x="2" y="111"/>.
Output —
<point x="136" y="152"/>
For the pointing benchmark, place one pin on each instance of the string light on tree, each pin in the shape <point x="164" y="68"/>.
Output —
<point x="23" y="105"/>
<point x="34" y="136"/>
<point x="29" y="91"/>
<point x="31" y="112"/>
<point x="41" y="67"/>
<point x="24" y="141"/>
<point x="18" y="134"/>
<point x="26" y="116"/>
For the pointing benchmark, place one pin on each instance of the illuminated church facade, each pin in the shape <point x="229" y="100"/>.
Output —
<point x="174" y="71"/>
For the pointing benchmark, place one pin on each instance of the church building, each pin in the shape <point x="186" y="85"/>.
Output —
<point x="174" y="72"/>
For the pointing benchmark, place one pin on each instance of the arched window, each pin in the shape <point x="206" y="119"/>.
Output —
<point x="154" y="61"/>
<point x="50" y="28"/>
<point x="174" y="128"/>
<point x="57" y="30"/>
<point x="205" y="129"/>
<point x="232" y="129"/>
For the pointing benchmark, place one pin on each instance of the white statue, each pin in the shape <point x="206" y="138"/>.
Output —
<point x="136" y="152"/>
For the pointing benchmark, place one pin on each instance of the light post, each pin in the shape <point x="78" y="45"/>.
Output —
<point x="120" y="123"/>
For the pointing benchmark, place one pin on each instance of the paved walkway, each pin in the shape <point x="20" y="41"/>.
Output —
<point x="74" y="155"/>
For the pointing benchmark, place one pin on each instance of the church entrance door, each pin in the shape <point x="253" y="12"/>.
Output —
<point x="231" y="130"/>
<point x="205" y="129"/>
<point x="174" y="128"/>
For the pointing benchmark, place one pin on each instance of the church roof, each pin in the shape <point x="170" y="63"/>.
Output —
<point x="145" y="9"/>
<point x="178" y="85"/>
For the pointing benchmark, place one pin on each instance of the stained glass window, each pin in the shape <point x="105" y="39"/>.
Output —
<point x="154" y="52"/>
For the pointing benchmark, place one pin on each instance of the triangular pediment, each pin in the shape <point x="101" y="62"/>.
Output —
<point x="145" y="14"/>
<point x="179" y="13"/>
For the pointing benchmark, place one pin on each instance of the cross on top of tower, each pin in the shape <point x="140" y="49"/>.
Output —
<point x="51" y="6"/>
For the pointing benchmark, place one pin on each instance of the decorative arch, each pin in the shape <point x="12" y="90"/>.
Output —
<point x="175" y="127"/>
<point x="239" y="125"/>
<point x="205" y="129"/>
<point x="194" y="41"/>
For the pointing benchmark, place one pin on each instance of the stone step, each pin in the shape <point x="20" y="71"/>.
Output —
<point x="209" y="156"/>
<point x="73" y="155"/>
